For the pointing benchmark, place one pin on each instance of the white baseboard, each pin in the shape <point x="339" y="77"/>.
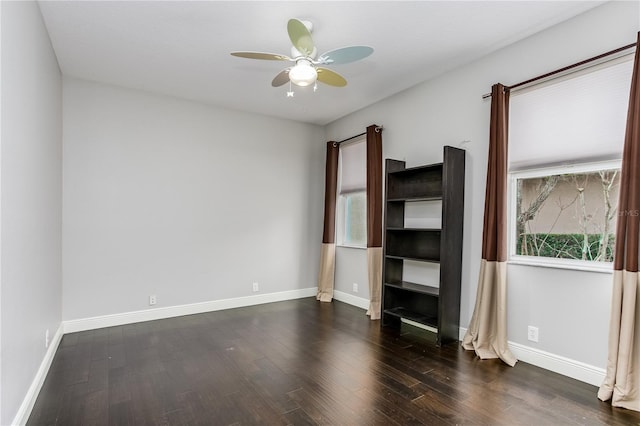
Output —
<point x="360" y="302"/>
<point x="558" y="364"/>
<point x="93" y="323"/>
<point x="32" y="394"/>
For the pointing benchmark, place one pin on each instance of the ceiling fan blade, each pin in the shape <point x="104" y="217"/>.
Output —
<point x="281" y="78"/>
<point x="300" y="36"/>
<point x="261" y="55"/>
<point x="344" y="55"/>
<point x="331" y="78"/>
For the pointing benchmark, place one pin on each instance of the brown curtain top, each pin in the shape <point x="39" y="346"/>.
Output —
<point x="494" y="238"/>
<point x="330" y="188"/>
<point x="374" y="186"/>
<point x="627" y="228"/>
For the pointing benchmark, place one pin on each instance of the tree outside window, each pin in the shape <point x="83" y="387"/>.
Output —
<point x="567" y="215"/>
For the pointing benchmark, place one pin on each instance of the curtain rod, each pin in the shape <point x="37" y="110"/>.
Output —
<point x="378" y="130"/>
<point x="567" y="68"/>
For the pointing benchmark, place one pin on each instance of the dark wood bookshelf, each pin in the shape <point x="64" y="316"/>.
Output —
<point x="400" y="312"/>
<point x="415" y="183"/>
<point x="418" y="288"/>
<point x="436" y="306"/>
<point x="420" y="244"/>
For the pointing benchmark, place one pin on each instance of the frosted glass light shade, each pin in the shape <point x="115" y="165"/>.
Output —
<point x="303" y="74"/>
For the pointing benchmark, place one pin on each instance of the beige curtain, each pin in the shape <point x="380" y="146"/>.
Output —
<point x="623" y="366"/>
<point x="487" y="332"/>
<point x="328" y="250"/>
<point x="374" y="219"/>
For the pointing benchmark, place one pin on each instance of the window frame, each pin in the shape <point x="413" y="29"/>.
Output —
<point x="549" y="262"/>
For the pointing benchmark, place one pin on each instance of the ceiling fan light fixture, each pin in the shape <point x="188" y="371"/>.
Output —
<point x="307" y="69"/>
<point x="303" y="74"/>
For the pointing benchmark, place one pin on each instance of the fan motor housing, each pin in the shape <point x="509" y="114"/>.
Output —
<point x="295" y="53"/>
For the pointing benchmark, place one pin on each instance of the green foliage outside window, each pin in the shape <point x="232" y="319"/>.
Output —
<point x="566" y="246"/>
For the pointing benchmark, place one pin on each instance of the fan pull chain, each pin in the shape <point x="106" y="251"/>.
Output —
<point x="290" y="92"/>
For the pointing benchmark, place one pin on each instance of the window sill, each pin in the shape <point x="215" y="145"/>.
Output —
<point x="576" y="265"/>
<point x="351" y="247"/>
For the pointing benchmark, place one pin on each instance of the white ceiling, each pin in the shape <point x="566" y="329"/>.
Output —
<point x="181" y="48"/>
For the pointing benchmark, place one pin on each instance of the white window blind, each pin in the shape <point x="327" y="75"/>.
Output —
<point x="352" y="203"/>
<point x="579" y="118"/>
<point x="353" y="167"/>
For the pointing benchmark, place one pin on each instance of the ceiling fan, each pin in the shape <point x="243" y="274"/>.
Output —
<point x="308" y="66"/>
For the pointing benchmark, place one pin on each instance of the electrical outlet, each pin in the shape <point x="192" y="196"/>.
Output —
<point x="152" y="300"/>
<point x="256" y="287"/>
<point x="532" y="333"/>
<point x="46" y="338"/>
<point x="355" y="287"/>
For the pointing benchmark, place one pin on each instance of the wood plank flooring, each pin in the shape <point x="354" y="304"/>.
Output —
<point x="298" y="362"/>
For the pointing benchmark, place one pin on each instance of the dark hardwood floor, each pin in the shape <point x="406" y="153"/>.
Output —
<point x="298" y="362"/>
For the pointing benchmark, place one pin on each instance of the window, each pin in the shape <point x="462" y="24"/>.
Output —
<point x="566" y="212"/>
<point x="565" y="142"/>
<point x="355" y="219"/>
<point x="352" y="199"/>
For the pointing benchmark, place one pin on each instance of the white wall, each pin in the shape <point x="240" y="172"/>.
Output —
<point x="181" y="200"/>
<point x="351" y="267"/>
<point x="31" y="177"/>
<point x="570" y="308"/>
